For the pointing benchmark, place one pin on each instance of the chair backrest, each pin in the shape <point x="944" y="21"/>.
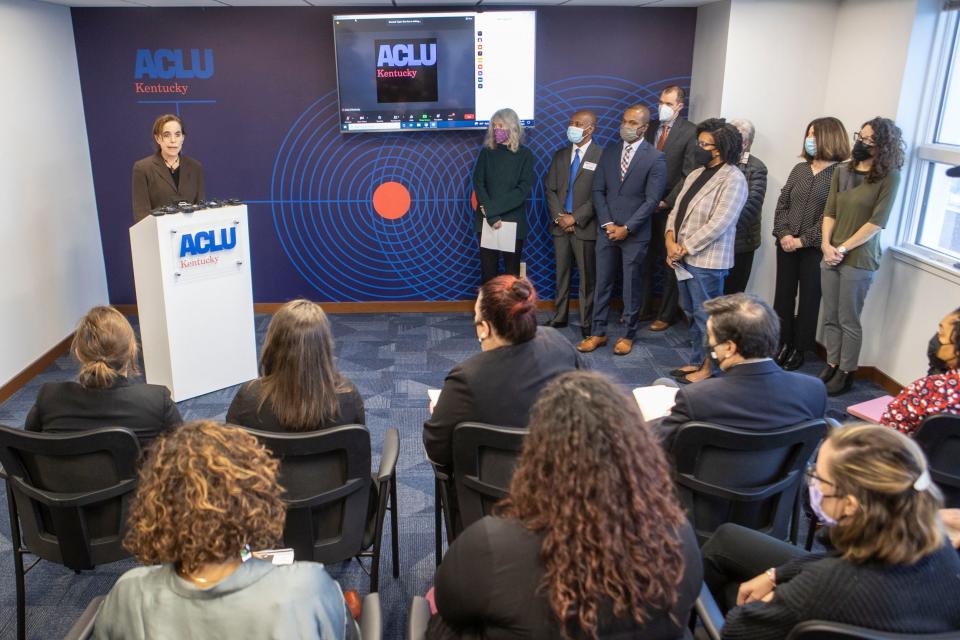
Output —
<point x="484" y="457"/>
<point x="751" y="478"/>
<point x="820" y="630"/>
<point x="71" y="491"/>
<point x="939" y="437"/>
<point x="326" y="480"/>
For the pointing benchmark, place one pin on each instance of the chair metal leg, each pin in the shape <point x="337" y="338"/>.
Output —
<point x="18" y="569"/>
<point x="394" y="526"/>
<point x="438" y="519"/>
<point x="378" y="543"/>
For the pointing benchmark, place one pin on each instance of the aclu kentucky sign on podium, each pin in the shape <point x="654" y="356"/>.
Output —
<point x="195" y="299"/>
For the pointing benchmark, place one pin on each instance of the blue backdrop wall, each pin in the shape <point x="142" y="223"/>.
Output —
<point x="260" y="113"/>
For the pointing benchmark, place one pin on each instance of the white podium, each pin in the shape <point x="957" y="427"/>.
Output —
<point x="195" y="300"/>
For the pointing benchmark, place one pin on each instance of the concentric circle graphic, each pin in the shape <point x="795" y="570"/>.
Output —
<point x="367" y="217"/>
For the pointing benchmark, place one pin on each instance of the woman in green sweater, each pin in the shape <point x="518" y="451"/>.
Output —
<point x="858" y="205"/>
<point x="502" y="181"/>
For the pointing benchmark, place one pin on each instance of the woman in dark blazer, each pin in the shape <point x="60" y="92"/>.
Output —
<point x="590" y="539"/>
<point x="300" y="388"/>
<point x="502" y="181"/>
<point x="105" y="395"/>
<point x="167" y="176"/>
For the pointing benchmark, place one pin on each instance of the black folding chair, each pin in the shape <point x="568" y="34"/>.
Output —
<point x="67" y="495"/>
<point x="751" y="478"/>
<point x="939" y="437"/>
<point x="327" y="482"/>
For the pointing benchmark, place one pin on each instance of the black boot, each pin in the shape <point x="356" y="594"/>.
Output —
<point x="793" y="361"/>
<point x="827" y="373"/>
<point x="782" y="354"/>
<point x="840" y="382"/>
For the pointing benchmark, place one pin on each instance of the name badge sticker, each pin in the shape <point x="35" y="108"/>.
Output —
<point x="589" y="166"/>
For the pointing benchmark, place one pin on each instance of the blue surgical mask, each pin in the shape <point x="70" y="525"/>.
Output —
<point x="816" y="503"/>
<point x="810" y="146"/>
<point x="575" y="134"/>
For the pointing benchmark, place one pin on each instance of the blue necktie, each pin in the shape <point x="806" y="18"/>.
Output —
<point x="568" y="204"/>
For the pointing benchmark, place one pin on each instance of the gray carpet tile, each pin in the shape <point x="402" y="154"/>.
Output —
<point x="393" y="359"/>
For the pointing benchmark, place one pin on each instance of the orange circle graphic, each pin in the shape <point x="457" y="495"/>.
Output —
<point x="391" y="200"/>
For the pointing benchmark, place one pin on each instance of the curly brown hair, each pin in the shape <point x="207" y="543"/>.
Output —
<point x="205" y="491"/>
<point x="593" y="480"/>
<point x="888" y="142"/>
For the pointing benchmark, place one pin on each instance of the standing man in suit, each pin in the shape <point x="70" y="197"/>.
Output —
<point x="677" y="139"/>
<point x="569" y="188"/>
<point x="627" y="185"/>
<point x="743" y="334"/>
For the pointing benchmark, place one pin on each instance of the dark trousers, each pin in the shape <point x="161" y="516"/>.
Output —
<point x="569" y="249"/>
<point x="798" y="269"/>
<point x="655" y="263"/>
<point x="490" y="262"/>
<point x="739" y="275"/>
<point x="627" y="254"/>
<point x="735" y="554"/>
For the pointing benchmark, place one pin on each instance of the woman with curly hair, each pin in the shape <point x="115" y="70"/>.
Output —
<point x="858" y="206"/>
<point x="889" y="565"/>
<point x="207" y="495"/>
<point x="590" y="543"/>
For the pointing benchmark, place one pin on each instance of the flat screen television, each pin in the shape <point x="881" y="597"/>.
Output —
<point x="433" y="71"/>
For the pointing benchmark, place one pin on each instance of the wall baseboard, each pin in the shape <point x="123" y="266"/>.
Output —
<point x="414" y="306"/>
<point x="20" y="380"/>
<point x="870" y="374"/>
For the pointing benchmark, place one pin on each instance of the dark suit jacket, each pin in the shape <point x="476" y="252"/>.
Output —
<point x="748" y="224"/>
<point x="632" y="201"/>
<point x="153" y="185"/>
<point x="558" y="184"/>
<point x="756" y="395"/>
<point x="488" y="587"/>
<point x="680" y="150"/>
<point x="69" y="407"/>
<point x="243" y="410"/>
<point x="496" y="387"/>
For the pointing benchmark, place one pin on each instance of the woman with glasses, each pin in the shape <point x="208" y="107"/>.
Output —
<point x="166" y="176"/>
<point x="888" y="564"/>
<point x="858" y="206"/>
<point x="797" y="225"/>
<point x="701" y="230"/>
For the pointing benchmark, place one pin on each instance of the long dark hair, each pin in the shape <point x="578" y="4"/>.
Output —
<point x="593" y="480"/>
<point x="299" y="377"/>
<point x="888" y="142"/>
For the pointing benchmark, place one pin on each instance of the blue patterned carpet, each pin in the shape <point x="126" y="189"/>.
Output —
<point x="393" y="359"/>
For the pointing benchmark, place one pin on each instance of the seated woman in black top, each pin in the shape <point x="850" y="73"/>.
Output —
<point x="890" y="566"/>
<point x="590" y="543"/>
<point x="105" y="395"/>
<point x="300" y="388"/>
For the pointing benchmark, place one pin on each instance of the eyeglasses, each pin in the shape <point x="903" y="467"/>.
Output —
<point x="867" y="141"/>
<point x="810" y="473"/>
<point x="704" y="145"/>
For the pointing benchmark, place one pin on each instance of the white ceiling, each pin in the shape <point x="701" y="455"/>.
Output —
<point x="385" y="4"/>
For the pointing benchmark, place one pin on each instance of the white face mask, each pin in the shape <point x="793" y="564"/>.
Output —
<point x="666" y="113"/>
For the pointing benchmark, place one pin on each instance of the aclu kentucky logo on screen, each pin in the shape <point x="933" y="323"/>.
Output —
<point x="154" y="70"/>
<point x="406" y="70"/>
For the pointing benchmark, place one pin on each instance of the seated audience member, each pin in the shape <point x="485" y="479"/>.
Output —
<point x="300" y="388"/>
<point x="889" y="564"/>
<point x="755" y="393"/>
<point x="105" y="394"/>
<point x="499" y="385"/>
<point x="591" y="541"/>
<point x="936" y="393"/>
<point x="207" y="495"/>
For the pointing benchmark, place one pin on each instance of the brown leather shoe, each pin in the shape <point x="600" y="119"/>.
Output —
<point x="591" y="344"/>
<point x="659" y="325"/>
<point x="623" y="346"/>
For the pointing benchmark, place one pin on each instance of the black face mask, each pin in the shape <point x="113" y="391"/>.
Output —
<point x="861" y="151"/>
<point x="703" y="157"/>
<point x="936" y="364"/>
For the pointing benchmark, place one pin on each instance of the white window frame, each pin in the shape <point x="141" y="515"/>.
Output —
<point x="926" y="152"/>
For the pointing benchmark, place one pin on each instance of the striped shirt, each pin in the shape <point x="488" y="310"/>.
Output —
<point x="799" y="210"/>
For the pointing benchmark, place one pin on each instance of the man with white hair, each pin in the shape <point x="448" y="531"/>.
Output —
<point x="748" y="225"/>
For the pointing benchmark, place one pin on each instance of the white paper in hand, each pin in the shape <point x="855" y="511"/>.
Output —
<point x="655" y="401"/>
<point x="502" y="239"/>
<point x="681" y="273"/>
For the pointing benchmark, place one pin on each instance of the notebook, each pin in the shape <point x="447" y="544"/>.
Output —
<point x="871" y="410"/>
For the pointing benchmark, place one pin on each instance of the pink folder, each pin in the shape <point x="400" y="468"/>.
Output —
<point x="871" y="410"/>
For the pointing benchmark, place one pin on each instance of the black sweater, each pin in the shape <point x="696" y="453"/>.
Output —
<point x="919" y="598"/>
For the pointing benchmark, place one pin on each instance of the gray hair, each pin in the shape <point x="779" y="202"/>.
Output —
<point x="747" y="130"/>
<point x="507" y="117"/>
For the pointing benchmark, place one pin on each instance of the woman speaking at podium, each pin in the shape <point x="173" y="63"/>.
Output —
<point x="167" y="176"/>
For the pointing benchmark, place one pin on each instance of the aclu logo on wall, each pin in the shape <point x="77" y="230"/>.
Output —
<point x="163" y="65"/>
<point x="406" y="70"/>
<point x="201" y="251"/>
